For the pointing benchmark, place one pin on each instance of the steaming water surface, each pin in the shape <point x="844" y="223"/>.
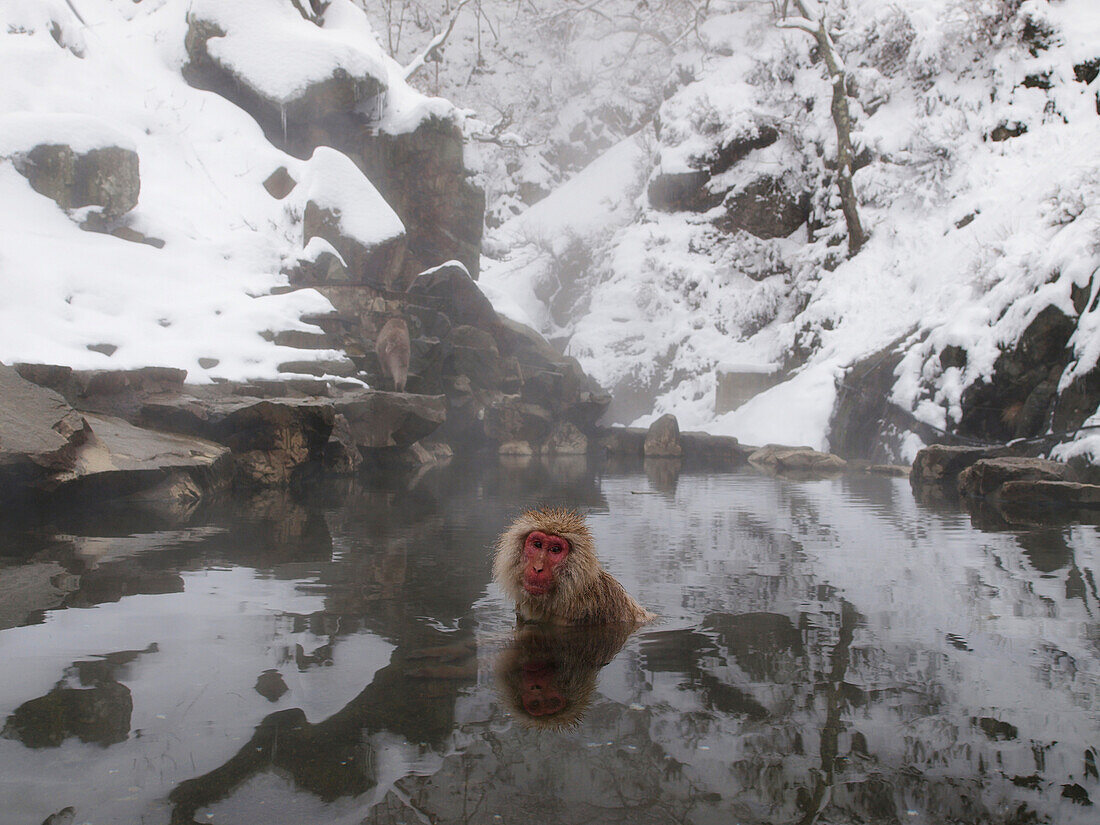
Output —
<point x="828" y="651"/>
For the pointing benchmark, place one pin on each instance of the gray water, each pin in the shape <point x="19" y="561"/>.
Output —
<point x="828" y="651"/>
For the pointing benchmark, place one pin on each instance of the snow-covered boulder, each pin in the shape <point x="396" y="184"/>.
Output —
<point x="289" y="74"/>
<point x="329" y="84"/>
<point x="343" y="208"/>
<point x="106" y="177"/>
<point x="75" y="160"/>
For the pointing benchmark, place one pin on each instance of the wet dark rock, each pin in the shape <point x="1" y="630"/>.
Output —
<point x="106" y="177"/>
<point x="683" y="192"/>
<point x="997" y="730"/>
<point x="936" y="468"/>
<point x="1050" y="494"/>
<point x="714" y="450"/>
<point x="662" y="439"/>
<point x="1018" y="400"/>
<point x="766" y="208"/>
<point x="279" y="183"/>
<point x="118" y="460"/>
<point x="65" y="816"/>
<point x="566" y="439"/>
<point x="797" y="461"/>
<point x="623" y="441"/>
<point x="112" y="392"/>
<point x="327" y="270"/>
<point x="40" y="433"/>
<point x="690" y="191"/>
<point x="390" y="419"/>
<point x="1087" y="70"/>
<point x="421" y="175"/>
<point x="896" y="470"/>
<point x="864" y="423"/>
<point x="339" y="367"/>
<point x="1076" y="793"/>
<point x="1006" y="131"/>
<point x="510" y="420"/>
<point x="342" y="456"/>
<point x="302" y="339"/>
<point x="271" y="439"/>
<point x="760" y="136"/>
<point x="985" y="476"/>
<point x="455" y="293"/>
<point x="380" y="263"/>
<point x="474" y="354"/>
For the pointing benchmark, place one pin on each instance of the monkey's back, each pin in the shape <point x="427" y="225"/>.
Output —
<point x="394" y="350"/>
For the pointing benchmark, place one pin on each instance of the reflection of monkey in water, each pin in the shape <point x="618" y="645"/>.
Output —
<point x="546" y="563"/>
<point x="547" y="675"/>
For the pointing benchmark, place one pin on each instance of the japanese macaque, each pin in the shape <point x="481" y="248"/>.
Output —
<point x="548" y="674"/>
<point x="393" y="350"/>
<point x="546" y="563"/>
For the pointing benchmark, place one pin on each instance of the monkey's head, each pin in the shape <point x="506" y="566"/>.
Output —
<point x="545" y="556"/>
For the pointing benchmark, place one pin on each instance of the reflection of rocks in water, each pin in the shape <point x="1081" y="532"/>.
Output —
<point x="111" y="582"/>
<point x="454" y="661"/>
<point x="96" y="712"/>
<point x="663" y="473"/>
<point x="99" y="714"/>
<point x="63" y="817"/>
<point x="675" y="651"/>
<point x="30" y="589"/>
<point x="547" y="675"/>
<point x="270" y="685"/>
<point x="568" y="469"/>
<point x="767" y="646"/>
<point x="334" y="757"/>
<point x="321" y="656"/>
<point x="1047" y="549"/>
<point x="682" y="652"/>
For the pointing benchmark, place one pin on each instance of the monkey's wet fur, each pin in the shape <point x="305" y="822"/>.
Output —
<point x="546" y="563"/>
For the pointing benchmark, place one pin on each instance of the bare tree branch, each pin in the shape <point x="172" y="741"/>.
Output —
<point x="431" y="51"/>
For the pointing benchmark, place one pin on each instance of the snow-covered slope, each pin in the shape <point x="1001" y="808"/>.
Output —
<point x="96" y="73"/>
<point x="982" y="198"/>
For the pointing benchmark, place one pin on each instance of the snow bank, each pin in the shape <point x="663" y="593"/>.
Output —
<point x="972" y="235"/>
<point x="280" y="53"/>
<point x="206" y="294"/>
<point x="332" y="181"/>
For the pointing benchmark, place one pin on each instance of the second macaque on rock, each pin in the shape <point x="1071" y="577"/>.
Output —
<point x="546" y="563"/>
<point x="394" y="350"/>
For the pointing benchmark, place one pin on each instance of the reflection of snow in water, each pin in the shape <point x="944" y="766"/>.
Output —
<point x="194" y="699"/>
<point x="969" y="659"/>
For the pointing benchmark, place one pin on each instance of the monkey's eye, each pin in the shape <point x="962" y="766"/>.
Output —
<point x="538" y="544"/>
<point x="556" y="548"/>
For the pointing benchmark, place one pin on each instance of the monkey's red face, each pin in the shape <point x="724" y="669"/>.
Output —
<point x="542" y="553"/>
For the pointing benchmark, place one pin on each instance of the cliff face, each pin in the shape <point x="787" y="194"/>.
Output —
<point x="215" y="245"/>
<point x="712" y="241"/>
